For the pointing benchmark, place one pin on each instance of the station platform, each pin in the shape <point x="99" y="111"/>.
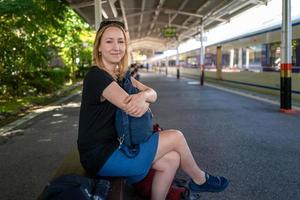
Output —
<point x="249" y="141"/>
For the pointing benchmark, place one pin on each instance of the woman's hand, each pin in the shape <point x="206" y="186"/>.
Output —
<point x="136" y="104"/>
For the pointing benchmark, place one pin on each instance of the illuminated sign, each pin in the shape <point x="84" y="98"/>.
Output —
<point x="170" y="31"/>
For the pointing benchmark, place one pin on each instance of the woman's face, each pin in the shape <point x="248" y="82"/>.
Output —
<point x="112" y="46"/>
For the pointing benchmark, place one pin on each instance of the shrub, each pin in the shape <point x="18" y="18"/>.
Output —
<point x="57" y="76"/>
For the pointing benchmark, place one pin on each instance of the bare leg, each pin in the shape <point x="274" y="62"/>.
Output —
<point x="173" y="140"/>
<point x="166" y="168"/>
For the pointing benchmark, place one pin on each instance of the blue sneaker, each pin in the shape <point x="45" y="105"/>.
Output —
<point x="212" y="184"/>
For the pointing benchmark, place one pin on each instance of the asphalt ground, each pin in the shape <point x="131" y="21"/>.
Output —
<point x="247" y="140"/>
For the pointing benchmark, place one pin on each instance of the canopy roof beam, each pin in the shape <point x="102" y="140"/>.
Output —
<point x="141" y="18"/>
<point x="157" y="11"/>
<point x="113" y="7"/>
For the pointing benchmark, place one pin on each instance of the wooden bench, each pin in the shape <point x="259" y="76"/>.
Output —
<point x="71" y="165"/>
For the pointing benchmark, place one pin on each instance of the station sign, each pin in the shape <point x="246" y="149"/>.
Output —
<point x="169" y="31"/>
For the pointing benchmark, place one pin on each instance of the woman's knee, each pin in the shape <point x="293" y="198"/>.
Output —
<point x="169" y="140"/>
<point x="174" y="159"/>
<point x="169" y="161"/>
<point x="176" y="135"/>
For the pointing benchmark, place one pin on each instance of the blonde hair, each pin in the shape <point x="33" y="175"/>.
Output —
<point x="97" y="57"/>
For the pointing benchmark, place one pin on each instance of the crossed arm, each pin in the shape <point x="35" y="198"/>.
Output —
<point x="136" y="104"/>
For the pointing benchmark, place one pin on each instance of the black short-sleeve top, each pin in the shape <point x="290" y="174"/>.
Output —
<point x="97" y="137"/>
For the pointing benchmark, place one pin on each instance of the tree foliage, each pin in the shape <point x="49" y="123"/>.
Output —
<point x="29" y="31"/>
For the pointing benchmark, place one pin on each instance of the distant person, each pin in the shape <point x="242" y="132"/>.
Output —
<point x="165" y="151"/>
<point x="135" y="71"/>
<point x="135" y="74"/>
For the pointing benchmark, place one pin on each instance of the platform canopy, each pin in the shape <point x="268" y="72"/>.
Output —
<point x="147" y="20"/>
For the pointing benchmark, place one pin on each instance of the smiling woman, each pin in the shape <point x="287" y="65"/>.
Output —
<point x="164" y="151"/>
<point x="110" y="47"/>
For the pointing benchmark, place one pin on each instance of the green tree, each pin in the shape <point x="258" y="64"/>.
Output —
<point x="76" y="43"/>
<point x="29" y="29"/>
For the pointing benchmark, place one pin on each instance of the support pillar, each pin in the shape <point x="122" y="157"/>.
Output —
<point x="286" y="59"/>
<point x="247" y="58"/>
<point x="177" y="60"/>
<point x="240" y="64"/>
<point x="219" y="63"/>
<point x="202" y="55"/>
<point x="231" y="63"/>
<point x="167" y="65"/>
<point x="98" y="13"/>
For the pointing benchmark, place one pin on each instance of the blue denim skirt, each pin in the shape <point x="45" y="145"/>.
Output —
<point x="132" y="169"/>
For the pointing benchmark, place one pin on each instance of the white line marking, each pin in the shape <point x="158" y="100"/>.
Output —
<point x="248" y="95"/>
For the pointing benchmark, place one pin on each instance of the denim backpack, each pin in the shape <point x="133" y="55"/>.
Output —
<point x="132" y="130"/>
<point x="72" y="186"/>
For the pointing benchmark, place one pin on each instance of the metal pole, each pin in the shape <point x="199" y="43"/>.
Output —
<point x="231" y="58"/>
<point x="177" y="59"/>
<point x="240" y="62"/>
<point x="98" y="13"/>
<point x="219" y="63"/>
<point x="202" y="54"/>
<point x="166" y="67"/>
<point x="167" y="63"/>
<point x="247" y="58"/>
<point x="286" y="58"/>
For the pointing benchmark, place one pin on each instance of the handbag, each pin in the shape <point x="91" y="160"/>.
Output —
<point x="73" y="186"/>
<point x="132" y="131"/>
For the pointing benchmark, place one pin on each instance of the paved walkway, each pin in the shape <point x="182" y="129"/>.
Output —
<point x="246" y="140"/>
